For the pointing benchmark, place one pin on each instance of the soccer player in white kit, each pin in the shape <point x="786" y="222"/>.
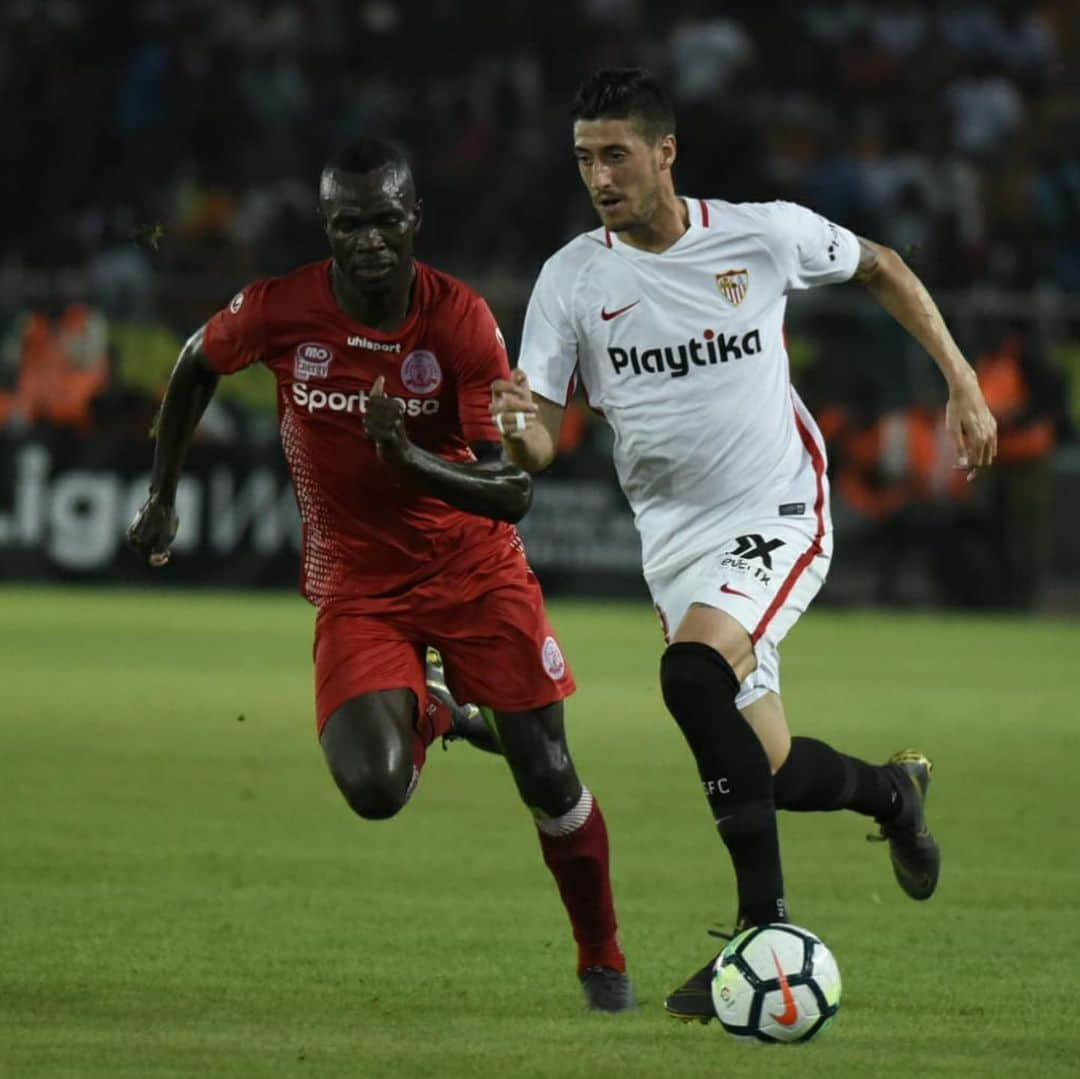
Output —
<point x="671" y="317"/>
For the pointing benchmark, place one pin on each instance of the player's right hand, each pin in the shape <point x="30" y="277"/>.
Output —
<point x="152" y="531"/>
<point x="512" y="406"/>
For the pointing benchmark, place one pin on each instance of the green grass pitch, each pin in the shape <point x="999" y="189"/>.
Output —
<point x="184" y="893"/>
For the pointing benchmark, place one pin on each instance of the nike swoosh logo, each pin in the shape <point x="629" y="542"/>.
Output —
<point x="608" y="315"/>
<point x="790" y="1015"/>
<point x="733" y="591"/>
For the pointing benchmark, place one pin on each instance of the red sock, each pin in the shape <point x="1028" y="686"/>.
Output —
<point x="575" y="848"/>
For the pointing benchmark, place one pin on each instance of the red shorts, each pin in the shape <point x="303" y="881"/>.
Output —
<point x="497" y="644"/>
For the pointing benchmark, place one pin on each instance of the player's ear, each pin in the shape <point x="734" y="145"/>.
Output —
<point x="668" y="151"/>
<point x="418" y="214"/>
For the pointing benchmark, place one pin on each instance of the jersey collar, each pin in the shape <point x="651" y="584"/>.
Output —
<point x="699" y="216"/>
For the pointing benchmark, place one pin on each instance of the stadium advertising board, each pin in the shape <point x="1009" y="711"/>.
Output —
<point x="65" y="502"/>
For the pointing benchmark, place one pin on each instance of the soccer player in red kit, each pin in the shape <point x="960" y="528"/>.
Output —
<point x="384" y="369"/>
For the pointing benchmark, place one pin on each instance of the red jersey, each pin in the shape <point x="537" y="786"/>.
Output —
<point x="370" y="530"/>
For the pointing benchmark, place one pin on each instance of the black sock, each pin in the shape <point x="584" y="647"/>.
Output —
<point x="699" y="689"/>
<point x="816" y="777"/>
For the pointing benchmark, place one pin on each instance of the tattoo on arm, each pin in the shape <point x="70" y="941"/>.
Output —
<point x="868" y="260"/>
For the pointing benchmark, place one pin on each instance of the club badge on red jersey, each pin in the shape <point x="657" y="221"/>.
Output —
<point x="552" y="658"/>
<point x="421" y="373"/>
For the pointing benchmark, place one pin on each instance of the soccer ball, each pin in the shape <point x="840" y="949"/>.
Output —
<point x="776" y="983"/>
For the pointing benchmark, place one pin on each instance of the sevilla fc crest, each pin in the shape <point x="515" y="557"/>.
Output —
<point x="733" y="285"/>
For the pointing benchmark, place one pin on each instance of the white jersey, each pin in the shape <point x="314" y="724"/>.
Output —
<point x="683" y="354"/>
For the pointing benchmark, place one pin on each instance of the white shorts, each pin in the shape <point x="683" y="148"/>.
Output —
<point x="764" y="574"/>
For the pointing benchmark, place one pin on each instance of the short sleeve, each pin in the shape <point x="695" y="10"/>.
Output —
<point x="549" y="345"/>
<point x="484" y="359"/>
<point x="813" y="250"/>
<point x="235" y="337"/>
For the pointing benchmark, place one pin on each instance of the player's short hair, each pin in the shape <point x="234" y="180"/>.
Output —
<point x="368" y="153"/>
<point x="626" y="93"/>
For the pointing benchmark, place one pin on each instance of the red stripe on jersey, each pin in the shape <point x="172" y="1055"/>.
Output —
<point x="607" y="237"/>
<point x="585" y="390"/>
<point x="704" y="213"/>
<point x="811" y="552"/>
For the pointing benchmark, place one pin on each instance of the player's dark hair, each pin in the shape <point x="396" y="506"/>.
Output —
<point x="626" y="93"/>
<point x="368" y="153"/>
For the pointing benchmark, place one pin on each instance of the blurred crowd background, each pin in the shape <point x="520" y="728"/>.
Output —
<point x="160" y="154"/>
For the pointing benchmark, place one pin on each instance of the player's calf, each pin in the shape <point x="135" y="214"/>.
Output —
<point x="699" y="688"/>
<point x="574" y="843"/>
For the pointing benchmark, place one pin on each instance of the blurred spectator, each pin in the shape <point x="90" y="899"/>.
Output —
<point x="1027" y="396"/>
<point x="896" y="471"/>
<point x="61" y="365"/>
<point x="213" y="120"/>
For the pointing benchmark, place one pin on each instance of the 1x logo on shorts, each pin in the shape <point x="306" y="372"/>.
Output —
<point x="755" y="546"/>
<point x="746" y="550"/>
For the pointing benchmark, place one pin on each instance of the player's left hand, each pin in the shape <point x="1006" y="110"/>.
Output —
<point x="972" y="426"/>
<point x="384" y="421"/>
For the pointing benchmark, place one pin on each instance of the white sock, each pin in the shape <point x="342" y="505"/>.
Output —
<point x="570" y="821"/>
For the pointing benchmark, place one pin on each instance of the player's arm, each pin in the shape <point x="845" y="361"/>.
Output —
<point x="191" y="386"/>
<point x="529" y="424"/>
<point x="896" y="287"/>
<point x="491" y="486"/>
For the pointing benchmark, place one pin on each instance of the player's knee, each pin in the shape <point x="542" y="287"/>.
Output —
<point x="692" y="675"/>
<point x="544" y="771"/>
<point x="373" y="793"/>
<point x="553" y="788"/>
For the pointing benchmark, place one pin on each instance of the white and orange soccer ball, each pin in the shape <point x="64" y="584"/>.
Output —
<point x="776" y="983"/>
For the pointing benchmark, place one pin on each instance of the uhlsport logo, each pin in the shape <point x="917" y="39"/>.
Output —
<point x="552" y="658"/>
<point x="312" y="361"/>
<point x="677" y="360"/>
<point x="420" y="372"/>
<point x="358" y="341"/>
<point x="733" y="285"/>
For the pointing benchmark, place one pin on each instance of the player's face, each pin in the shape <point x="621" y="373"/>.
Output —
<point x="371" y="221"/>
<point x="621" y="170"/>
